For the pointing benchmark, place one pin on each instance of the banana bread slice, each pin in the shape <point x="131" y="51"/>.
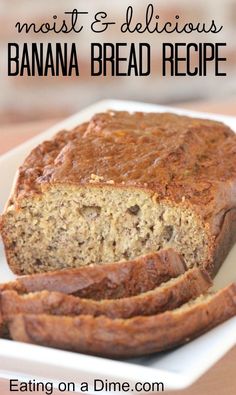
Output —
<point x="111" y="281"/>
<point x="121" y="186"/>
<point x="126" y="337"/>
<point x="167" y="296"/>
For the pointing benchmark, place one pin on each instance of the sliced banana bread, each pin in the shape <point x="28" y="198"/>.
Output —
<point x="126" y="337"/>
<point x="167" y="296"/>
<point x="111" y="281"/>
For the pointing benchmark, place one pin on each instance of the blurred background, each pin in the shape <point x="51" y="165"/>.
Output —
<point x="24" y="99"/>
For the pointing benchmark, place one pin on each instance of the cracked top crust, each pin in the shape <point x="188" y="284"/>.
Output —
<point x="181" y="159"/>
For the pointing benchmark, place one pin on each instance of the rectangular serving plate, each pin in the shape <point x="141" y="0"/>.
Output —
<point x="177" y="369"/>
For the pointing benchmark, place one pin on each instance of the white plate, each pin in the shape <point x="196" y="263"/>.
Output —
<point x="176" y="369"/>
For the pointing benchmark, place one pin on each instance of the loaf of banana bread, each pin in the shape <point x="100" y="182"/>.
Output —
<point x="123" y="185"/>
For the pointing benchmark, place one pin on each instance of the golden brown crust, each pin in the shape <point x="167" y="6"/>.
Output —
<point x="182" y="157"/>
<point x="126" y="337"/>
<point x="169" y="296"/>
<point x="109" y="281"/>
<point x="224" y="241"/>
<point x="40" y="159"/>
